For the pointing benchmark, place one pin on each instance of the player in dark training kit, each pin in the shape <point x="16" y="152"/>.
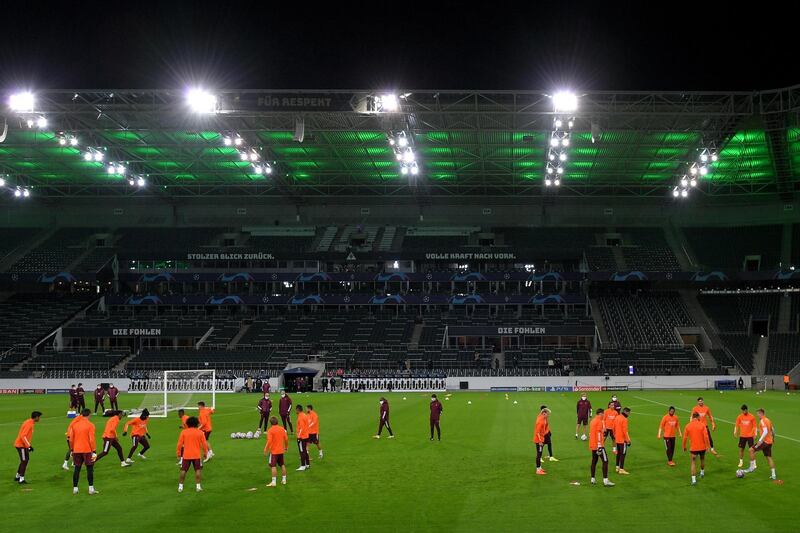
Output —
<point x="285" y="410"/>
<point x="73" y="398"/>
<point x="264" y="408"/>
<point x="436" y="413"/>
<point x="584" y="409"/>
<point x="99" y="397"/>
<point x="113" y="392"/>
<point x="81" y="396"/>
<point x="384" y="419"/>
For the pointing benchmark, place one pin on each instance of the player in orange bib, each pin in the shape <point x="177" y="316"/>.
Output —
<point x="669" y="425"/>
<point x="277" y="446"/>
<point x="539" y="431"/>
<point x="622" y="439"/>
<point x="302" y="438"/>
<point x="764" y="444"/>
<point x="746" y="427"/>
<point x="313" y="428"/>
<point x="707" y="420"/>
<point x="110" y="438"/>
<point x="204" y="415"/>
<point x="24" y="446"/>
<point x="82" y="439"/>
<point x="596" y="440"/>
<point x="75" y="420"/>
<point x="610" y="416"/>
<point x="139" y="434"/>
<point x="191" y="447"/>
<point x="696" y="432"/>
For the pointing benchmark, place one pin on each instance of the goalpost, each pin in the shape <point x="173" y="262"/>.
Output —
<point x="176" y="389"/>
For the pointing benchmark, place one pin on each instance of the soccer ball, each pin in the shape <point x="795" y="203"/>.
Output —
<point x="404" y="397"/>
<point x="583" y="437"/>
<point x="469" y="402"/>
<point x="257" y="435"/>
<point x="740" y="473"/>
<point x="240" y="435"/>
<point x="249" y="435"/>
<point x="233" y="435"/>
<point x="447" y="398"/>
<point x="515" y="402"/>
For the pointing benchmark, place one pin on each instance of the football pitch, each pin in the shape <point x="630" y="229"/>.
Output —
<point x="479" y="477"/>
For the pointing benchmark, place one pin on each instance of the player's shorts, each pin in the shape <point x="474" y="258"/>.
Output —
<point x="108" y="442"/>
<point x="196" y="463"/>
<point x="609" y="433"/>
<point x="313" y="438"/>
<point x="701" y="453"/>
<point x="81" y="459"/>
<point x="601" y="453"/>
<point x="583" y="420"/>
<point x="745" y="442"/>
<point x="207" y="434"/>
<point x="24" y="454"/>
<point x="276" y="459"/>
<point x="547" y="438"/>
<point x="765" y="448"/>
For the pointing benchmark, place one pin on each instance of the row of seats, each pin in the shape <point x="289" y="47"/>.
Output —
<point x="726" y="248"/>
<point x="733" y="312"/>
<point x="643" y="318"/>
<point x="783" y="353"/>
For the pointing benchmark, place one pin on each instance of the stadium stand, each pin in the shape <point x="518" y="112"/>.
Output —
<point x="13" y="238"/>
<point x="164" y="243"/>
<point x="733" y="312"/>
<point x="552" y="244"/>
<point x="644" y="318"/>
<point x="742" y="347"/>
<point x="26" y="318"/>
<point x="726" y="248"/>
<point x="783" y="353"/>
<point x="601" y="259"/>
<point x="57" y="252"/>
<point x="647" y="249"/>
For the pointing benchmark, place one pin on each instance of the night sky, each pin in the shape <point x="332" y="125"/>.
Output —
<point x="433" y="45"/>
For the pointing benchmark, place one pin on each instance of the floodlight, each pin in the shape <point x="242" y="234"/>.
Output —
<point x="2" y="182"/>
<point x="684" y="182"/>
<point x="389" y="102"/>
<point x="268" y="170"/>
<point x="714" y="157"/>
<point x="402" y="141"/>
<point x="549" y="170"/>
<point x="551" y="156"/>
<point x="693" y="170"/>
<point x="62" y="141"/>
<point x="98" y="156"/>
<point x="110" y="169"/>
<point x="41" y="123"/>
<point x="201" y="101"/>
<point x="131" y="182"/>
<point x="87" y="156"/>
<point x="547" y="182"/>
<point x="562" y="156"/>
<point x="415" y="170"/>
<point x="675" y="193"/>
<point x="693" y="182"/>
<point x="17" y="193"/>
<point x="408" y="157"/>
<point x="703" y="171"/>
<point x="227" y="141"/>
<point x="121" y="169"/>
<point x="243" y="156"/>
<point x="73" y="141"/>
<point x="684" y="193"/>
<point x="558" y="123"/>
<point x="570" y="124"/>
<point x="26" y="193"/>
<point x="391" y="142"/>
<point x="554" y="142"/>
<point x="557" y="182"/>
<point x="29" y="122"/>
<point x="560" y="170"/>
<point x="565" y="141"/>
<point x="22" y="102"/>
<point x="140" y="182"/>
<point x="565" y="101"/>
<point x="253" y="156"/>
<point x="404" y="171"/>
<point x="703" y="157"/>
<point x="257" y="169"/>
<point x="237" y="141"/>
<point x="398" y="156"/>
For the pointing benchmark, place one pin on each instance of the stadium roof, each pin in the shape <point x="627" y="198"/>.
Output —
<point x="467" y="143"/>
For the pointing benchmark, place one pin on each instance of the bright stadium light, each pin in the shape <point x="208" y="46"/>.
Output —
<point x="562" y="156"/>
<point x="29" y="122"/>
<point x="87" y="156"/>
<point x="414" y="169"/>
<point x="243" y="156"/>
<point x="258" y="169"/>
<point x="238" y="141"/>
<point x="140" y="182"/>
<point x="565" y="141"/>
<point x="201" y="101"/>
<point x="98" y="156"/>
<point x="684" y="193"/>
<point x="551" y="156"/>
<point x="703" y="171"/>
<point x="404" y="170"/>
<point x="565" y="101"/>
<point x="557" y="182"/>
<point x="684" y="182"/>
<point x="560" y="170"/>
<point x="558" y="123"/>
<point x="388" y="103"/>
<point x="547" y="182"/>
<point x="550" y="170"/>
<point x="227" y="141"/>
<point x="2" y="182"/>
<point x="676" y="193"/>
<point x="131" y="182"/>
<point x="62" y="141"/>
<point x="714" y="157"/>
<point x="26" y="193"/>
<point x="693" y="182"/>
<point x="554" y="142"/>
<point x="704" y="157"/>
<point x="111" y="169"/>
<point x="41" y="123"/>
<point x="268" y="170"/>
<point x="73" y="141"/>
<point x="693" y="170"/>
<point x="21" y="102"/>
<point x="408" y="156"/>
<point x="402" y="142"/>
<point x="253" y="156"/>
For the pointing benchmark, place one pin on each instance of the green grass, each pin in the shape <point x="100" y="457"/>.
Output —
<point x="479" y="478"/>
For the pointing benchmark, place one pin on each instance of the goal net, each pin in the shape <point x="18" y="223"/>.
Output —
<point x="175" y="389"/>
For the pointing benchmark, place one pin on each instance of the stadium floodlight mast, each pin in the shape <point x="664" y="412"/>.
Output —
<point x="565" y="102"/>
<point x="2" y="182"/>
<point x="22" y="102"/>
<point x="201" y="101"/>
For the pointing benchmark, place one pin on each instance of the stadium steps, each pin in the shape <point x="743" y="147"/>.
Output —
<point x="598" y="320"/>
<point x="619" y="258"/>
<point x="122" y="364"/>
<point x="397" y="243"/>
<point x="327" y="238"/>
<point x="680" y="248"/>
<point x="21" y="251"/>
<point x="785" y="314"/>
<point x="387" y="238"/>
<point x="700" y="317"/>
<point x="80" y="259"/>
<point x="760" y="357"/>
<point x="415" y="336"/>
<point x="235" y="340"/>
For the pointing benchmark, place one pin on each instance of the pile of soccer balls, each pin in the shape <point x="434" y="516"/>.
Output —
<point x="248" y="435"/>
